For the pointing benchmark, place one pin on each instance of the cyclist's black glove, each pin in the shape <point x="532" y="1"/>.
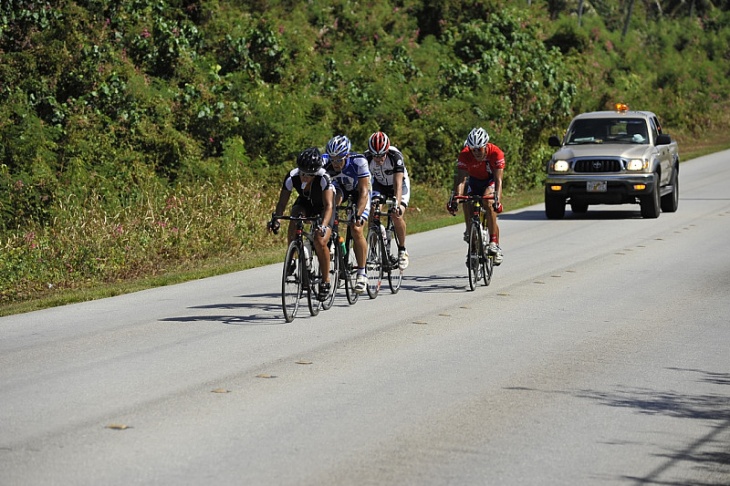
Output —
<point x="274" y="224"/>
<point x="451" y="205"/>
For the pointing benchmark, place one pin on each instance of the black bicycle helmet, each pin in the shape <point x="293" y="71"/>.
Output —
<point x="310" y="160"/>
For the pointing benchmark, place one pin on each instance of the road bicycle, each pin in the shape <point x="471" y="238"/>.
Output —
<point x="343" y="264"/>
<point x="301" y="274"/>
<point x="383" y="249"/>
<point x="479" y="260"/>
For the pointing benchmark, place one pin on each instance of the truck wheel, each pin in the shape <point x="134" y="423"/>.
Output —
<point x="554" y="206"/>
<point x="650" y="203"/>
<point x="670" y="202"/>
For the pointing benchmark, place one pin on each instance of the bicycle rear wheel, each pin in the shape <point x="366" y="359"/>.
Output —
<point x="487" y="266"/>
<point x="487" y="257"/>
<point x="374" y="262"/>
<point x="334" y="273"/>
<point x="395" y="274"/>
<point x="350" y="271"/>
<point x="314" y="277"/>
<point x="292" y="281"/>
<point x="474" y="255"/>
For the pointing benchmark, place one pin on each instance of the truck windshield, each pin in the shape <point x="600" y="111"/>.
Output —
<point x="608" y="130"/>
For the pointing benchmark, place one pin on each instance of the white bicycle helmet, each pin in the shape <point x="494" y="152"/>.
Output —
<point x="478" y="138"/>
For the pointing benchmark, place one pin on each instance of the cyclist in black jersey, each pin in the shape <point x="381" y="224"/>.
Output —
<point x="315" y="196"/>
<point x="390" y="179"/>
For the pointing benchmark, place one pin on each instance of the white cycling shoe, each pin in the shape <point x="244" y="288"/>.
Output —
<point x="403" y="259"/>
<point x="361" y="284"/>
<point x="495" y="250"/>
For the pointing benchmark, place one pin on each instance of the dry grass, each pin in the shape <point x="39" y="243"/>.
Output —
<point x="183" y="236"/>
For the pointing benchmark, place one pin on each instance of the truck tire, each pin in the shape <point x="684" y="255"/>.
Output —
<point x="670" y="202"/>
<point x="554" y="206"/>
<point x="650" y="204"/>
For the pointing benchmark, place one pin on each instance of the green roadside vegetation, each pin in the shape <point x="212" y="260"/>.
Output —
<point x="430" y="215"/>
<point x="143" y="143"/>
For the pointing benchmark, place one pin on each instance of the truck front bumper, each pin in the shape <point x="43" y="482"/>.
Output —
<point x="600" y="188"/>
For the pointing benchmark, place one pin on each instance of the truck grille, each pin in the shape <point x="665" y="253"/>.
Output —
<point x="598" y="165"/>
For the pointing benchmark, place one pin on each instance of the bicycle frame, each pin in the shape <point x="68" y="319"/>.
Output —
<point x="388" y="243"/>
<point x="348" y="262"/>
<point x="480" y="262"/>
<point x="297" y="276"/>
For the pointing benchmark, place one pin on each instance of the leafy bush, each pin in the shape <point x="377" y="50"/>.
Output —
<point x="145" y="134"/>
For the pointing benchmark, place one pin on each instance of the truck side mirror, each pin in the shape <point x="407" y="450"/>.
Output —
<point x="663" y="139"/>
<point x="554" y="141"/>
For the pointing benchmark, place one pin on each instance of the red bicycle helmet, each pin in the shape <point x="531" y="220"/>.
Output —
<point x="378" y="143"/>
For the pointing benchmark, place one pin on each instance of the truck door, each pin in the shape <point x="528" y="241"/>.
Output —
<point x="663" y="152"/>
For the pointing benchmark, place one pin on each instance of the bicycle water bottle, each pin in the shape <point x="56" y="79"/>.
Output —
<point x="342" y="245"/>
<point x="307" y="256"/>
<point x="382" y="232"/>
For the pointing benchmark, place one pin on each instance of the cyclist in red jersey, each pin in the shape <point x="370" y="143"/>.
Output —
<point x="479" y="170"/>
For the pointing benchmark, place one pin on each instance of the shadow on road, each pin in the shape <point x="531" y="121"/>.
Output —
<point x="591" y="214"/>
<point x="256" y="309"/>
<point x="435" y="283"/>
<point x="708" y="455"/>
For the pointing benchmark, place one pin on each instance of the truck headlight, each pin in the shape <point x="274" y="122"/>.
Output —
<point x="637" y="164"/>
<point x="561" y="166"/>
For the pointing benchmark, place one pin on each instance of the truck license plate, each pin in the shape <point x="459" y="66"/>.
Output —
<point x="596" y="186"/>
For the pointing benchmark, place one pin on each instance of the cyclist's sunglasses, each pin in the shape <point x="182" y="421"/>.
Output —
<point x="307" y="174"/>
<point x="337" y="160"/>
<point x="379" y="156"/>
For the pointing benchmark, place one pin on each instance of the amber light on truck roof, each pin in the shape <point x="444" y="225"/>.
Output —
<point x="621" y="107"/>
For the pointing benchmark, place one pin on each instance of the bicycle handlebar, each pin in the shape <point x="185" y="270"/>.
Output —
<point x="390" y="202"/>
<point x="313" y="219"/>
<point x="473" y="197"/>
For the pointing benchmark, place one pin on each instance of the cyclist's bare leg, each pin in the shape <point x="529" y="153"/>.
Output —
<point x="492" y="225"/>
<point x="359" y="243"/>
<point x="321" y="248"/>
<point x="399" y="223"/>
<point x="466" y="207"/>
<point x="296" y="211"/>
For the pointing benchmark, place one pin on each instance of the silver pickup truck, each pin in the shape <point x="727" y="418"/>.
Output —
<point x="613" y="157"/>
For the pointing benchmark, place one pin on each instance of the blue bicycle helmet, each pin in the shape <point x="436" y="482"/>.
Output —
<point x="339" y="146"/>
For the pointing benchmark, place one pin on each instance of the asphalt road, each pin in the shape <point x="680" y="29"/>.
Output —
<point x="598" y="355"/>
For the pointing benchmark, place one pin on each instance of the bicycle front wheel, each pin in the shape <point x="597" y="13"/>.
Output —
<point x="334" y="274"/>
<point x="314" y="277"/>
<point x="292" y="281"/>
<point x="487" y="265"/>
<point x="350" y="270"/>
<point x="374" y="262"/>
<point x="474" y="255"/>
<point x="395" y="274"/>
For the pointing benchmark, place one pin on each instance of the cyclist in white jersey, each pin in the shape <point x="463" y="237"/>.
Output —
<point x="390" y="179"/>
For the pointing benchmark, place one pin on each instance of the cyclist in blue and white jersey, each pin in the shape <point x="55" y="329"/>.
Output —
<point x="351" y="177"/>
<point x="390" y="179"/>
